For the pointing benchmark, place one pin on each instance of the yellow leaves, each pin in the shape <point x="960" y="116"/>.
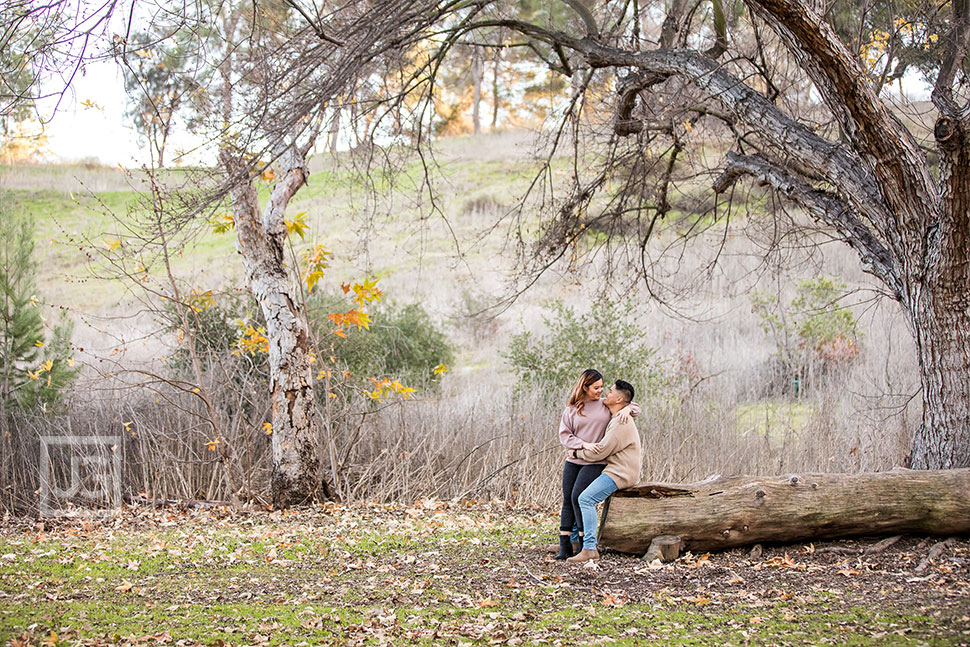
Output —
<point x="268" y="175"/>
<point x="39" y="343"/>
<point x="440" y="369"/>
<point x="143" y="53"/>
<point x="33" y="301"/>
<point x="111" y="243"/>
<point x="298" y="225"/>
<point x="268" y="428"/>
<point x="70" y="361"/>
<point x="88" y="103"/>
<point x="384" y="388"/>
<point x="200" y="301"/>
<point x="44" y="367"/>
<point x="365" y="292"/>
<point x="315" y="263"/>
<point x="221" y="224"/>
<point x="212" y="444"/>
<point x="251" y="341"/>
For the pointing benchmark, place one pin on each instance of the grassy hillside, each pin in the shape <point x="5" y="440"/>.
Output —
<point x="451" y="249"/>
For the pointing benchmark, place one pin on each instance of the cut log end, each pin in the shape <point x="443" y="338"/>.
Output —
<point x="666" y="548"/>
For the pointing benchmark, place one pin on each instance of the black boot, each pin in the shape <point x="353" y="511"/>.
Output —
<point x="565" y="548"/>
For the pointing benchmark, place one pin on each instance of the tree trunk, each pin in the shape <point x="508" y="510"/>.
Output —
<point x="941" y="309"/>
<point x="296" y="474"/>
<point x="495" y="88"/>
<point x="943" y="344"/>
<point x="476" y="90"/>
<point x="736" y="511"/>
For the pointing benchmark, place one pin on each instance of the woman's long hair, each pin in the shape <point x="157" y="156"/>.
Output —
<point x="578" y="397"/>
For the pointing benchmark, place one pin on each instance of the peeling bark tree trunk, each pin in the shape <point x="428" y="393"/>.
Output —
<point x="261" y="239"/>
<point x="741" y="510"/>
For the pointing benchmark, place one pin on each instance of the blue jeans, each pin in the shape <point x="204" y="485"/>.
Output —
<point x="597" y="491"/>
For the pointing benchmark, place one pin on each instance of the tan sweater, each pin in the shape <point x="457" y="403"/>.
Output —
<point x="621" y="449"/>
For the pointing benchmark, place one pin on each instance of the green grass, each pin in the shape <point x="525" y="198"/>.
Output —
<point x="774" y="418"/>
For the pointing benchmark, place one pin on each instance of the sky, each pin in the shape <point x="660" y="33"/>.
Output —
<point x="81" y="131"/>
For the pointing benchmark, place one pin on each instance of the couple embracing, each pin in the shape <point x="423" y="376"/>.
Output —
<point x="602" y="456"/>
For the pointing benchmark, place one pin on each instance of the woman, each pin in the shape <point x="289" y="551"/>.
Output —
<point x="582" y="426"/>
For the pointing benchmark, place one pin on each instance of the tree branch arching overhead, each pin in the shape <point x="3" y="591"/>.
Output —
<point x="869" y="178"/>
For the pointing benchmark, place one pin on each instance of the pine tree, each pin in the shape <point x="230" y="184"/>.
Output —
<point x="33" y="368"/>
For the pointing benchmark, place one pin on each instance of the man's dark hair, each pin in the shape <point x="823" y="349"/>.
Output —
<point x="627" y="388"/>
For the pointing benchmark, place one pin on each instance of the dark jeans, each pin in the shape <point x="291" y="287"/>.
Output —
<point x="575" y="479"/>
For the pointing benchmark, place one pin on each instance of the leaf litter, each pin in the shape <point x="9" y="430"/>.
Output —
<point x="435" y="572"/>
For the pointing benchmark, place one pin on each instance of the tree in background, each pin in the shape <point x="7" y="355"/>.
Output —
<point x="157" y="83"/>
<point x="35" y="361"/>
<point x="731" y="81"/>
<point x="814" y="335"/>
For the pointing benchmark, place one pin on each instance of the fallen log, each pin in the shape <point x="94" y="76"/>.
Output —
<point x="725" y="512"/>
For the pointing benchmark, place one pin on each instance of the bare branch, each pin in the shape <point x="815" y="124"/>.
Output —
<point x="317" y="29"/>
<point x="956" y="50"/>
<point x="584" y="13"/>
<point x="824" y="206"/>
<point x="895" y="161"/>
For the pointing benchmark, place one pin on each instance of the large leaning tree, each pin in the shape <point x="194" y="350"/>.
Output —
<point x="747" y="70"/>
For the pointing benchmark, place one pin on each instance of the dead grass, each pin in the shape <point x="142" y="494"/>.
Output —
<point x="476" y="439"/>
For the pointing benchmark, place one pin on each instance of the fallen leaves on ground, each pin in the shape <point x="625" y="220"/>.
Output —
<point x="442" y="572"/>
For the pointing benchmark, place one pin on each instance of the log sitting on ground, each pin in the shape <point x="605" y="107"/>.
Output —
<point x="724" y="512"/>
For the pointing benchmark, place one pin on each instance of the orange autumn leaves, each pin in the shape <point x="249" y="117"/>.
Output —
<point x="366" y="292"/>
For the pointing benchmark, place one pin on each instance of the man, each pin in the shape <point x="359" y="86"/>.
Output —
<point x="620" y="448"/>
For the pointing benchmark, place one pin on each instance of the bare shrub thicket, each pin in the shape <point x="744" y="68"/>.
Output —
<point x="476" y="439"/>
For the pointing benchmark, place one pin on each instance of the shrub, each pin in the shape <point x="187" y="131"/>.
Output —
<point x="813" y="335"/>
<point x="216" y="323"/>
<point x="403" y="342"/>
<point x="605" y="338"/>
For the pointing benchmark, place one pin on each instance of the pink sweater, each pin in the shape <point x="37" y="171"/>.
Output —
<point x="590" y="427"/>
